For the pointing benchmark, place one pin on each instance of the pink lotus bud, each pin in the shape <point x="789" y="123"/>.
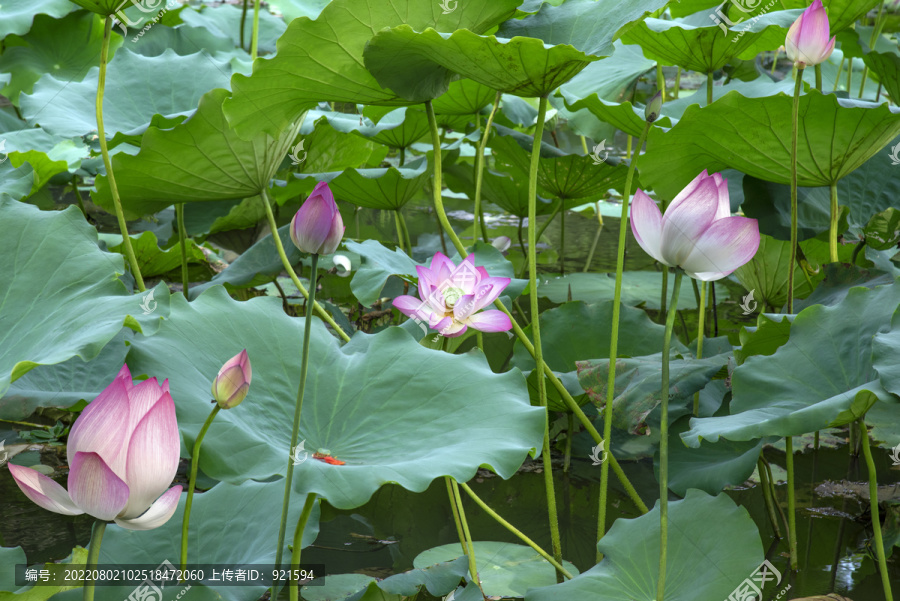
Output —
<point x="807" y="40"/>
<point x="231" y="385"/>
<point x="317" y="228"/>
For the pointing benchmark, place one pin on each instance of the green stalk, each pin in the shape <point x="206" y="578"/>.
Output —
<point x="849" y="74"/>
<point x="709" y="88"/>
<point x="518" y="533"/>
<point x="479" y="169"/>
<point x="792" y="509"/>
<point x="795" y="117"/>
<point x="701" y="332"/>
<point x="562" y="239"/>
<point x="570" y="429"/>
<point x="767" y="496"/>
<point x="459" y="529"/>
<point x="660" y="82"/>
<point x="584" y="145"/>
<point x="402" y="155"/>
<point x="536" y="329"/>
<point x="87" y="594"/>
<point x="298" y="408"/>
<point x="614" y="342"/>
<point x="784" y="521"/>
<point x="590" y="257"/>
<point x="456" y="499"/>
<point x="838" y="76"/>
<point x="405" y="231"/>
<point x="519" y="332"/>
<point x="104" y="150"/>
<point x="195" y="463"/>
<point x="664" y="442"/>
<point x="873" y="503"/>
<point x="254" y="40"/>
<point x="320" y="311"/>
<point x="182" y="241"/>
<point x="819" y="77"/>
<point x="628" y="147"/>
<point x="665" y="289"/>
<point x="677" y="84"/>
<point x="243" y="22"/>
<point x="399" y="230"/>
<point x="833" y="230"/>
<point x="294" y="591"/>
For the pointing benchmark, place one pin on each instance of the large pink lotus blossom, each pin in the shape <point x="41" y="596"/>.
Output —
<point x="807" y="40"/>
<point x="451" y="298"/>
<point x="698" y="232"/>
<point x="123" y="453"/>
<point x="317" y="228"/>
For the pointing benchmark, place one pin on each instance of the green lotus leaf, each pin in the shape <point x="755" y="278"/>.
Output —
<point x="199" y="160"/>
<point x="883" y="230"/>
<point x="841" y="13"/>
<point x="74" y="307"/>
<point x="420" y="66"/>
<point x="884" y="358"/>
<point x="611" y="78"/>
<point x="713" y="545"/>
<point x="837" y="137"/>
<point x="766" y="275"/>
<point x="505" y="569"/>
<point x="292" y="9"/>
<point x="439" y="579"/>
<point x="65" y="156"/>
<point x="137" y="88"/>
<point x="322" y="60"/>
<point x="18" y="15"/>
<point x="323" y="147"/>
<point x="225" y="21"/>
<point x="152" y="260"/>
<point x="624" y="116"/>
<point x="690" y="7"/>
<point x="637" y="287"/>
<point x="464" y="97"/>
<point x="886" y="65"/>
<point x="10" y="557"/>
<point x="66" y="48"/>
<point x="771" y="332"/>
<point x="185" y="40"/>
<point x="823" y="376"/>
<point x="352" y="408"/>
<point x="507" y="192"/>
<point x="839" y="278"/>
<point x="389" y="188"/>
<point x="15" y="183"/>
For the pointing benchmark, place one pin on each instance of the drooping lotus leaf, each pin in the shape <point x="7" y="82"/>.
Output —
<point x="15" y="183"/>
<point x="200" y="160"/>
<point x="322" y="60"/>
<point x="505" y="569"/>
<point x="62" y="295"/>
<point x="506" y="191"/>
<point x="766" y="275"/>
<point x="886" y="65"/>
<point x="610" y="78"/>
<point x="64" y="156"/>
<point x="637" y="287"/>
<point x="323" y="147"/>
<point x="624" y="116"/>
<point x="836" y="136"/>
<point x="464" y="97"/>
<point x="225" y="21"/>
<point x="419" y="66"/>
<point x="18" y="15"/>
<point x="707" y="49"/>
<point x="713" y="545"/>
<point x="413" y="128"/>
<point x="66" y="48"/>
<point x="137" y="87"/>
<point x="839" y="278"/>
<point x="214" y="536"/>
<point x="389" y="188"/>
<point x="823" y="376"/>
<point x="152" y="260"/>
<point x="353" y="407"/>
<point x="771" y="332"/>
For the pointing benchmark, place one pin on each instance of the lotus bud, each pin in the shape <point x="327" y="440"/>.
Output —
<point x="501" y="243"/>
<point x="807" y="40"/>
<point x="317" y="228"/>
<point x="231" y="385"/>
<point x="653" y="108"/>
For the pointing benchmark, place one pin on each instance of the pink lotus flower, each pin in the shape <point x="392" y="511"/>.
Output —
<point x="697" y="233"/>
<point x="317" y="228"/>
<point x="122" y="453"/>
<point x="233" y="381"/>
<point x="451" y="298"/>
<point x="807" y="40"/>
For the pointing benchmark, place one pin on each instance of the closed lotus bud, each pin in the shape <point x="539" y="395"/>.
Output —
<point x="317" y="228"/>
<point x="231" y="385"/>
<point x="501" y="243"/>
<point x="807" y="40"/>
<point x="653" y="108"/>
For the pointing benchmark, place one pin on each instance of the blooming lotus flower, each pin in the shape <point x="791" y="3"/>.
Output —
<point x="697" y="233"/>
<point x="317" y="228"/>
<point x="451" y="298"/>
<point x="807" y="40"/>
<point x="231" y="385"/>
<point x="122" y="453"/>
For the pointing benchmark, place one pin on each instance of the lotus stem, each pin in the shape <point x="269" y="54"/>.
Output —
<point x="662" y="297"/>
<point x="849" y="74"/>
<point x="833" y="229"/>
<point x="792" y="509"/>
<point x="399" y="231"/>
<point x="677" y="87"/>
<point x="838" y="76"/>
<point x="519" y="332"/>
<point x="320" y="311"/>
<point x="254" y="40"/>
<point x="795" y="112"/>
<point x="819" y="77"/>
<point x="709" y="88"/>
<point x="182" y="241"/>
<point x="767" y="496"/>
<point x="298" y="408"/>
<point x="456" y="520"/>
<point x="104" y="150"/>
<point x="298" y="543"/>
<point x="628" y="147"/>
<point x="660" y="82"/>
<point x="402" y="155"/>
<point x="570" y="429"/>
<point x="784" y="521"/>
<point x="584" y="145"/>
<point x="873" y="503"/>
<point x="243" y="22"/>
<point x="664" y="441"/>
<point x="590" y="257"/>
<point x="192" y="482"/>
<point x="518" y="533"/>
<point x="701" y="333"/>
<point x="562" y="239"/>
<point x="460" y="512"/>
<point x="614" y="342"/>
<point x="87" y="593"/>
<point x="479" y="170"/>
<point x="405" y="231"/>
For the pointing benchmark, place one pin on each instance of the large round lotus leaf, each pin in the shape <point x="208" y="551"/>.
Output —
<point x="230" y="526"/>
<point x="419" y="66"/>
<point x="137" y="88"/>
<point x="322" y="60"/>
<point x="885" y="356"/>
<point x="505" y="569"/>
<point x="61" y="293"/>
<point x="822" y="376"/>
<point x="389" y="188"/>
<point x="766" y="276"/>
<point x="713" y="545"/>
<point x="391" y="409"/>
<point x="200" y="160"/>
<point x="18" y="15"/>
<point x="753" y="135"/>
